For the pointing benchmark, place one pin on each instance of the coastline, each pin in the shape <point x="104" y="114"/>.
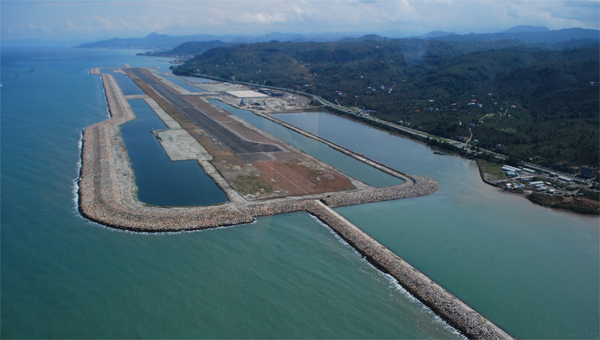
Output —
<point x="108" y="191"/>
<point x="573" y="205"/>
<point x="107" y="195"/>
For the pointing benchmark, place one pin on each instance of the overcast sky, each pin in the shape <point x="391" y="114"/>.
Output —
<point x="95" y="20"/>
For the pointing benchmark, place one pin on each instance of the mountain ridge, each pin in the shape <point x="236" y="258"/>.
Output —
<point x="530" y="34"/>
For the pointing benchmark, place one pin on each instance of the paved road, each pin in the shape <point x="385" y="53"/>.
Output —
<point x="233" y="141"/>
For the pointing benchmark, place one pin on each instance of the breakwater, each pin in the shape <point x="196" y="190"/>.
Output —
<point x="447" y="306"/>
<point x="107" y="194"/>
<point x="107" y="191"/>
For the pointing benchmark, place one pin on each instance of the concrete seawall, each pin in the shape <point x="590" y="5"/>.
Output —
<point x="108" y="195"/>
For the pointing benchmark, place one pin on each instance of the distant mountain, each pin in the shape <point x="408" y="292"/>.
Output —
<point x="151" y="41"/>
<point x="155" y="41"/>
<point x="437" y="34"/>
<point x="368" y="37"/>
<point x="292" y="37"/>
<point x="190" y="48"/>
<point x="526" y="29"/>
<point x="530" y="34"/>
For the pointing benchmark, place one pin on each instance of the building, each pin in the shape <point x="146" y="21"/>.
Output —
<point x="510" y="168"/>
<point x="587" y="171"/>
<point x="563" y="178"/>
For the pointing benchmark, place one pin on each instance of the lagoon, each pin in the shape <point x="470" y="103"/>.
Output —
<point x="344" y="163"/>
<point x="183" y="84"/>
<point x="161" y="181"/>
<point x="62" y="276"/>
<point x="531" y="270"/>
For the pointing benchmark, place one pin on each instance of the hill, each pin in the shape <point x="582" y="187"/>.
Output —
<point x="163" y="42"/>
<point x="526" y="28"/>
<point x="539" y="101"/>
<point x="151" y="41"/>
<point x="189" y="49"/>
<point x="530" y="35"/>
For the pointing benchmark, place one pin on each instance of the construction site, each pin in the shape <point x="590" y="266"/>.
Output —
<point x="260" y="174"/>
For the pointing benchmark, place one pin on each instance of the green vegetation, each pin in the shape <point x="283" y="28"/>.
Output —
<point x="190" y="48"/>
<point x="590" y="194"/>
<point x="492" y="168"/>
<point x="539" y="101"/>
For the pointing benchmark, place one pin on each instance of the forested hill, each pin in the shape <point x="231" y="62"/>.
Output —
<point x="189" y="49"/>
<point x="540" y="101"/>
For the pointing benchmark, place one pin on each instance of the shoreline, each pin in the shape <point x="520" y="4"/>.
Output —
<point x="107" y="196"/>
<point x="546" y="201"/>
<point x="105" y="161"/>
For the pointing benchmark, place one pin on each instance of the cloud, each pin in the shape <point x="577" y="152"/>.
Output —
<point x="108" y="19"/>
<point x="104" y="22"/>
<point x="259" y="18"/>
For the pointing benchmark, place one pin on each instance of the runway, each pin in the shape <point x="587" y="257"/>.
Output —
<point x="245" y="149"/>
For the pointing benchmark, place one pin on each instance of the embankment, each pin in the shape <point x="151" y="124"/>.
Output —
<point x="107" y="194"/>
<point x="444" y="304"/>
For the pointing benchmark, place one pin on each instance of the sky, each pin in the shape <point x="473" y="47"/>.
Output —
<point x="87" y="21"/>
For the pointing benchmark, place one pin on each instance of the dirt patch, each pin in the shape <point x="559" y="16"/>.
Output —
<point x="270" y="174"/>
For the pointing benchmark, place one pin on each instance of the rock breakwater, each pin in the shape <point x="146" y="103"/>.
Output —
<point x="107" y="195"/>
<point x="455" y="312"/>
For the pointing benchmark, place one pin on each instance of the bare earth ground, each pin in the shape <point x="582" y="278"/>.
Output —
<point x="107" y="195"/>
<point x="288" y="172"/>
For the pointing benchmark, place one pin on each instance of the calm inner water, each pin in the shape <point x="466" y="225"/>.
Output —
<point x="532" y="270"/>
<point x="160" y="181"/>
<point x="63" y="277"/>
<point x="347" y="164"/>
<point x="198" y="80"/>
<point x="128" y="87"/>
<point x="183" y="84"/>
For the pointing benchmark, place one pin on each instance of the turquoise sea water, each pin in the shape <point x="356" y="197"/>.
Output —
<point x="64" y="277"/>
<point x="532" y="270"/>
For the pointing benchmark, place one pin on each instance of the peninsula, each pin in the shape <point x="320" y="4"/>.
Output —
<point x="260" y="174"/>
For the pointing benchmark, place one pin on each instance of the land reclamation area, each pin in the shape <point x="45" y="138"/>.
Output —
<point x="260" y="174"/>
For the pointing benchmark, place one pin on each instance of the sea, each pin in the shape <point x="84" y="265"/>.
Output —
<point x="531" y="270"/>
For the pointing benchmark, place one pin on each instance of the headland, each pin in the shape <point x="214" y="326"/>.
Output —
<point x="260" y="174"/>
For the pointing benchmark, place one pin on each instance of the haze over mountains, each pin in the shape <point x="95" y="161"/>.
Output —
<point x="163" y="42"/>
<point x="531" y="34"/>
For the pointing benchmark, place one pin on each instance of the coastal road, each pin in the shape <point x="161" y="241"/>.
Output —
<point x="245" y="148"/>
